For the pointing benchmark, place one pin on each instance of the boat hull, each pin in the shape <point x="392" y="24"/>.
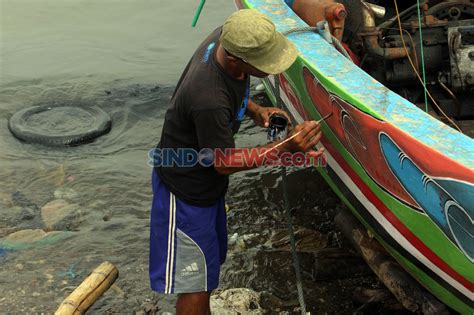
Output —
<point x="386" y="161"/>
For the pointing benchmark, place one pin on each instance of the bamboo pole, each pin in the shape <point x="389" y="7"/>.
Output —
<point x="90" y="290"/>
<point x="403" y="286"/>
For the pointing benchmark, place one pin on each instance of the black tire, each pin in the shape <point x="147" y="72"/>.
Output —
<point x="98" y="123"/>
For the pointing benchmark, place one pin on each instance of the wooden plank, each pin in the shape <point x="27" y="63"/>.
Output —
<point x="406" y="289"/>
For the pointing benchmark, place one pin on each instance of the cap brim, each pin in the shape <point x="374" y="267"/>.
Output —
<point x="279" y="59"/>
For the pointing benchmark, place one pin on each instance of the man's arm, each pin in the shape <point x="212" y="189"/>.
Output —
<point x="252" y="109"/>
<point x="242" y="159"/>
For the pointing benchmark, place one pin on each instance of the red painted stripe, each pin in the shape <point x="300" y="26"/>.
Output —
<point x="412" y="238"/>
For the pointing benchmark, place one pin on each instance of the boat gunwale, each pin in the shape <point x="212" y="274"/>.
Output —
<point x="452" y="149"/>
<point x="375" y="99"/>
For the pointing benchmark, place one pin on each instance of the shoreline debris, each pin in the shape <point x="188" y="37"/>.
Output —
<point x="90" y="290"/>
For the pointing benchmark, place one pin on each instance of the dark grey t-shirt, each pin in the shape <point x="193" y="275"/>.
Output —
<point x="202" y="115"/>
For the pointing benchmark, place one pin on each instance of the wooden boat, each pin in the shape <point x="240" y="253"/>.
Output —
<point x="407" y="176"/>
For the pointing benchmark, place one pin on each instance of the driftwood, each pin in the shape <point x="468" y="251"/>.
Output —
<point x="409" y="292"/>
<point x="89" y="290"/>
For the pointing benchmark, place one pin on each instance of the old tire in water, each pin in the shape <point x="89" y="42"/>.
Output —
<point x="59" y="125"/>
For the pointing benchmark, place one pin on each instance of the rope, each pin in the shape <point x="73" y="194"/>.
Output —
<point x="314" y="29"/>
<point x="422" y="54"/>
<point x="417" y="73"/>
<point x="296" y="262"/>
<point x="198" y="13"/>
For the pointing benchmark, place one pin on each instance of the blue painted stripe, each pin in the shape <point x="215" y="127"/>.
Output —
<point x="454" y="218"/>
<point x="354" y="81"/>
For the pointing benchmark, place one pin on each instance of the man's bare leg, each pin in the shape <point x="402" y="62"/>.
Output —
<point x="193" y="304"/>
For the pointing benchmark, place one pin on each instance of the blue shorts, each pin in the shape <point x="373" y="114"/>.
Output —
<point x="188" y="244"/>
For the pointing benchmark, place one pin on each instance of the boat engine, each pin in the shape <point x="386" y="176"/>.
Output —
<point x="447" y="33"/>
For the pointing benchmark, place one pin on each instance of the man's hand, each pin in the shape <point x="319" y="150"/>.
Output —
<point x="305" y="137"/>
<point x="262" y="117"/>
<point x="308" y="134"/>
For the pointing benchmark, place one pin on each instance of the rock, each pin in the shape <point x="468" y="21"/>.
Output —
<point x="22" y="210"/>
<point x="20" y="218"/>
<point x="19" y="199"/>
<point x="59" y="215"/>
<point x="19" y="267"/>
<point x="236" y="301"/>
<point x="27" y="238"/>
<point x="65" y="193"/>
<point x="21" y="215"/>
<point x="28" y="214"/>
<point x="4" y="231"/>
<point x="233" y="238"/>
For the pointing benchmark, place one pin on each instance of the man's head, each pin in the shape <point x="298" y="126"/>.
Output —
<point x="250" y="40"/>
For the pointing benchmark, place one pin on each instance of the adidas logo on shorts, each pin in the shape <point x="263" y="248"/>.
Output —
<point x="190" y="270"/>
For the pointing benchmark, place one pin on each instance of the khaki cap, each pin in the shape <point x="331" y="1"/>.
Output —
<point x="252" y="36"/>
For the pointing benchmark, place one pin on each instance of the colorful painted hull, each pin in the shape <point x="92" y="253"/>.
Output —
<point x="406" y="176"/>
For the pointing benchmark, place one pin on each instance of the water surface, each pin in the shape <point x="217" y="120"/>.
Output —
<point x="125" y="57"/>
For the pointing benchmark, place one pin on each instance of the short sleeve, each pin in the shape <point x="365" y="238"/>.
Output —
<point x="212" y="128"/>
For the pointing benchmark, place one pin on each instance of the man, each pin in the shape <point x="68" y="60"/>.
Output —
<point x="188" y="236"/>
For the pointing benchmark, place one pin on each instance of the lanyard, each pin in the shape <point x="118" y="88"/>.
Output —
<point x="240" y="115"/>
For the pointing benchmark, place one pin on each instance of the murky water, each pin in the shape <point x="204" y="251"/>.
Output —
<point x="125" y="57"/>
